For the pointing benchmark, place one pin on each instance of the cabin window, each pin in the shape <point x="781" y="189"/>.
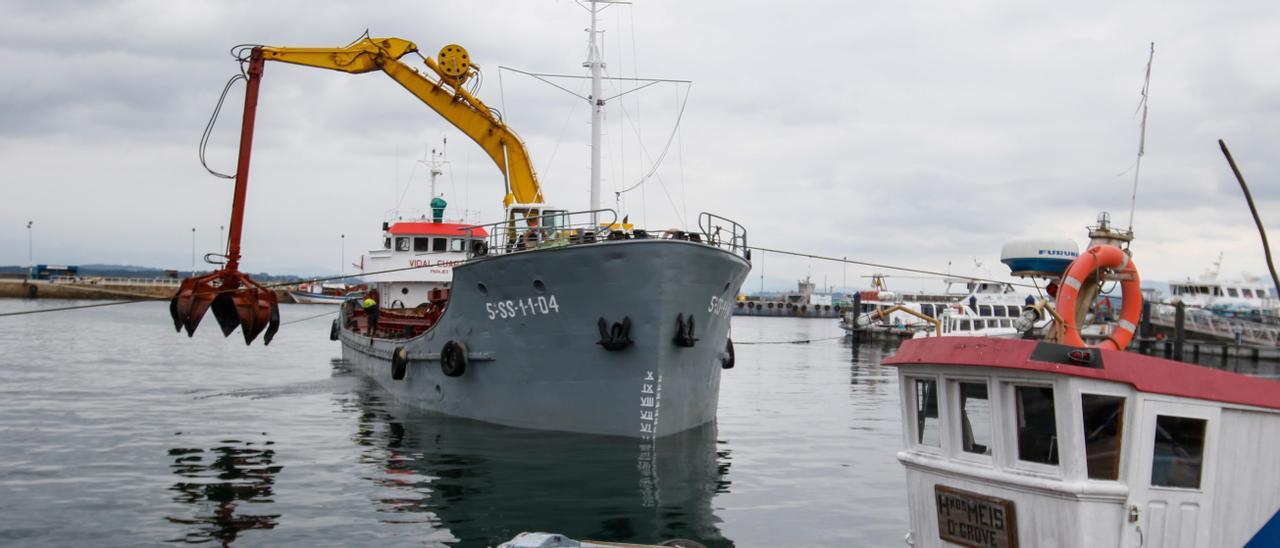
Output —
<point x="1179" y="452"/>
<point x="926" y="393"/>
<point x="975" y="418"/>
<point x="402" y="244"/>
<point x="1217" y="291"/>
<point x="386" y="243"/>
<point x="1103" y="430"/>
<point x="1231" y="292"/>
<point x="421" y="245"/>
<point x="457" y="245"/>
<point x="965" y="326"/>
<point x="1037" y="424"/>
<point x="1247" y="292"/>
<point x="984" y="310"/>
<point x="926" y="309"/>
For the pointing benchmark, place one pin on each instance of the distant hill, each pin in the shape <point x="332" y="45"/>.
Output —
<point x="132" y="271"/>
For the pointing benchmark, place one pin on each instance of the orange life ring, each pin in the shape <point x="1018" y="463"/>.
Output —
<point x="1084" y="269"/>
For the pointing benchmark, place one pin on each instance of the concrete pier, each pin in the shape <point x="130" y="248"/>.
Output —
<point x="101" y="289"/>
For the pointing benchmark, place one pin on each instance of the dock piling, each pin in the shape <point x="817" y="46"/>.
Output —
<point x="1179" y="330"/>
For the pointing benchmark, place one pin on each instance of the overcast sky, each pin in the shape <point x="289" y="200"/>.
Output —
<point x="914" y="133"/>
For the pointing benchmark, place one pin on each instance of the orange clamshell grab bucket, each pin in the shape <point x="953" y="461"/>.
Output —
<point x="236" y="300"/>
<point x="1084" y="270"/>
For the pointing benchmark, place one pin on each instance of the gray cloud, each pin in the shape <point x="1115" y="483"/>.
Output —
<point x="896" y="133"/>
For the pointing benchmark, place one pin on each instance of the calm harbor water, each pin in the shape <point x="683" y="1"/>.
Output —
<point x="115" y="431"/>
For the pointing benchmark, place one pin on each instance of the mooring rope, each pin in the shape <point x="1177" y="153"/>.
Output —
<point x="797" y="341"/>
<point x="329" y="313"/>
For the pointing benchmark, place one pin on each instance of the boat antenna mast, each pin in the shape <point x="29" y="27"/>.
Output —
<point x="595" y="66"/>
<point x="1142" y="136"/>
<point x="436" y="164"/>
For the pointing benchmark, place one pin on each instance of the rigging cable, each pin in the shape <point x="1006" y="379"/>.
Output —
<point x="885" y="266"/>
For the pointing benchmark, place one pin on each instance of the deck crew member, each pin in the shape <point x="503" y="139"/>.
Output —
<point x="370" y="307"/>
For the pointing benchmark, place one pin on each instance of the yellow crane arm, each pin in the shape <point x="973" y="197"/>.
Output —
<point x="446" y="96"/>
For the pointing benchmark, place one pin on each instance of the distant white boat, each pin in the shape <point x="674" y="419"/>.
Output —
<point x="982" y="309"/>
<point x="1248" y="297"/>
<point x="316" y="293"/>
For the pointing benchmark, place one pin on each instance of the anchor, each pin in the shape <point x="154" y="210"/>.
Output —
<point x="236" y="300"/>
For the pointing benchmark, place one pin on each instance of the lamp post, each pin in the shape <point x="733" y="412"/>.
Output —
<point x="30" y="262"/>
<point x="193" y="251"/>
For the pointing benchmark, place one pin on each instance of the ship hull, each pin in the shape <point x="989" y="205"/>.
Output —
<point x="529" y="323"/>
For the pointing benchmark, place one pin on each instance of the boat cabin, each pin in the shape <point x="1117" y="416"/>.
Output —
<point x="1022" y="443"/>
<point x="422" y="255"/>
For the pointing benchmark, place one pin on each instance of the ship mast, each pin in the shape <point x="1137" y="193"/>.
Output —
<point x="437" y="161"/>
<point x="596" y="65"/>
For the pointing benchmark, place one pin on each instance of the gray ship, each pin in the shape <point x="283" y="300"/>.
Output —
<point x="546" y="320"/>
<point x="617" y="333"/>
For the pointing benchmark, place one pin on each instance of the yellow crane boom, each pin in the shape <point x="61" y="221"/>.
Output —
<point x="445" y="95"/>
<point x="237" y="300"/>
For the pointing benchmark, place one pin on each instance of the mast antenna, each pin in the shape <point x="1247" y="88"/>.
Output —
<point x="595" y="66"/>
<point x="1142" y="136"/>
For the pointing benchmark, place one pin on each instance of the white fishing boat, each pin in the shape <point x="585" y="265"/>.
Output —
<point x="1023" y="443"/>
<point x="1246" y="297"/>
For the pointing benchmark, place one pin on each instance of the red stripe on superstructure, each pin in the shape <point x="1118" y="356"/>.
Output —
<point x="1144" y="373"/>
<point x="436" y="229"/>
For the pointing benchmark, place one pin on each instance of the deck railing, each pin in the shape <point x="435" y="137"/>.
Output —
<point x="561" y="228"/>
<point x="115" y="280"/>
<point x="554" y="229"/>
<point x="722" y="232"/>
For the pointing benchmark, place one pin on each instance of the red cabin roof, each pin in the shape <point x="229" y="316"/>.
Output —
<point x="1144" y="373"/>
<point x="436" y="229"/>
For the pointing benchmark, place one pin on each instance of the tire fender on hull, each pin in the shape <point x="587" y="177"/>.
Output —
<point x="453" y="359"/>
<point x="399" y="363"/>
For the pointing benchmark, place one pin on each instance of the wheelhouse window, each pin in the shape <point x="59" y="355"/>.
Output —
<point x="1179" y="452"/>
<point x="421" y="245"/>
<point x="975" y="418"/>
<point x="984" y="310"/>
<point x="457" y="245"/>
<point x="926" y="394"/>
<point x="1103" y="432"/>
<point x="1231" y="292"/>
<point x="926" y="309"/>
<point x="965" y="326"/>
<point x="439" y="245"/>
<point x="1037" y="424"/>
<point x="386" y="243"/>
<point x="1247" y="292"/>
<point x="402" y="244"/>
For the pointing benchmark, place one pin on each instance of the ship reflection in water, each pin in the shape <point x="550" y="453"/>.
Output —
<point x="224" y="483"/>
<point x="484" y="483"/>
